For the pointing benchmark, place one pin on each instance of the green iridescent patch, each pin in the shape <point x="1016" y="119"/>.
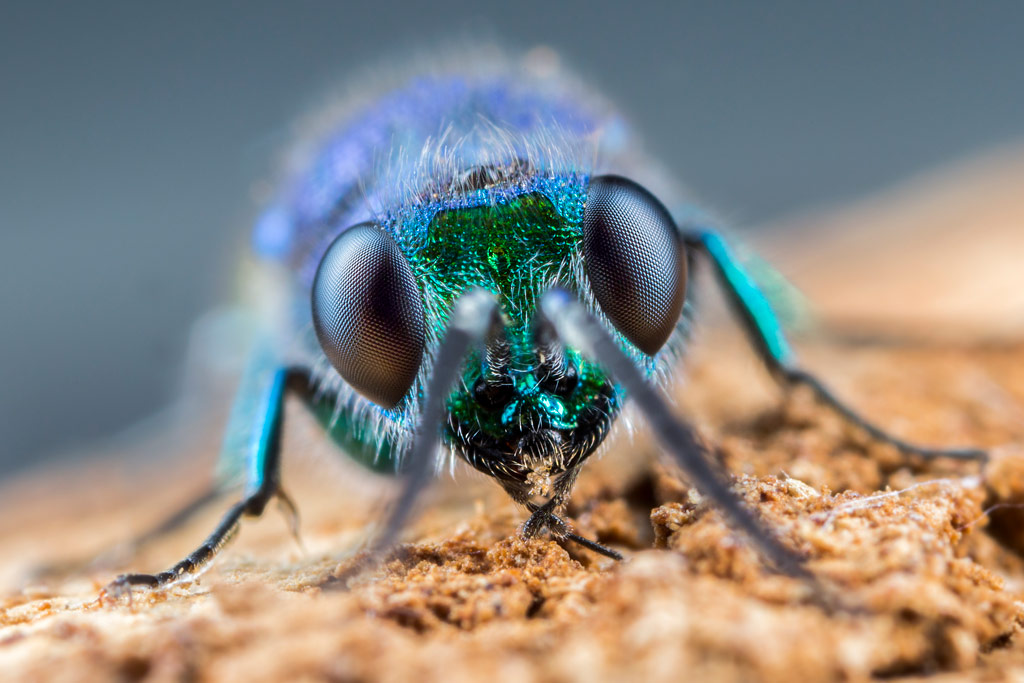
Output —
<point x="360" y="443"/>
<point x="532" y="405"/>
<point x="515" y="250"/>
<point x="506" y="248"/>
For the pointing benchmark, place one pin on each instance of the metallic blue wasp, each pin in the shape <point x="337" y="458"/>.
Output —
<point x="478" y="258"/>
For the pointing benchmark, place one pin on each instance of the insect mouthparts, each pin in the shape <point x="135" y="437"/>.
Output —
<point x="539" y="444"/>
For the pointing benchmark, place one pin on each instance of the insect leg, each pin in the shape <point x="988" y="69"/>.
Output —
<point x="474" y="316"/>
<point x="767" y="336"/>
<point x="543" y="517"/>
<point x="264" y="484"/>
<point x="122" y="552"/>
<point x="580" y="329"/>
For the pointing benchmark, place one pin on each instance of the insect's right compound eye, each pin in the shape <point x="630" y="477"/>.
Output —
<point x="368" y="314"/>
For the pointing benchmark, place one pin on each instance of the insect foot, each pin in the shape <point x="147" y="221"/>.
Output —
<point x="545" y="518"/>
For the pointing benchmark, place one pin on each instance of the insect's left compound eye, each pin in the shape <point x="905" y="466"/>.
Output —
<point x="635" y="260"/>
<point x="368" y="314"/>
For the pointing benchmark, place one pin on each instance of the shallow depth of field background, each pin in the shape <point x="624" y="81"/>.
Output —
<point x="132" y="138"/>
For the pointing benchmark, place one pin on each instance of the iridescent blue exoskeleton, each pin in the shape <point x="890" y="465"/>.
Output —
<point x="480" y="259"/>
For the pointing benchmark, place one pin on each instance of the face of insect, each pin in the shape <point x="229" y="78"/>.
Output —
<point x="528" y="408"/>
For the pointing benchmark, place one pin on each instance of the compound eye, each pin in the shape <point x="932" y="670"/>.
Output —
<point x="368" y="314"/>
<point x="635" y="260"/>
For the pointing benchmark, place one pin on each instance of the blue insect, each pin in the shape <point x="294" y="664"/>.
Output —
<point x="481" y="259"/>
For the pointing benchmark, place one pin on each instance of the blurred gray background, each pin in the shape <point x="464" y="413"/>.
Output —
<point x="131" y="135"/>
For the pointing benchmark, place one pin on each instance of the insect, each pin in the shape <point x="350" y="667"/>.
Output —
<point x="481" y="258"/>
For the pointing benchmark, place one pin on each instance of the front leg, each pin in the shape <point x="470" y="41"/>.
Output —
<point x="545" y="516"/>
<point x="768" y="338"/>
<point x="263" y="457"/>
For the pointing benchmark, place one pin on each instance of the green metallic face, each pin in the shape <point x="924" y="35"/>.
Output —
<point x="526" y="418"/>
<point x="510" y="249"/>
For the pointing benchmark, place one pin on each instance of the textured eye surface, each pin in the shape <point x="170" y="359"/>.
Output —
<point x="635" y="260"/>
<point x="368" y="314"/>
